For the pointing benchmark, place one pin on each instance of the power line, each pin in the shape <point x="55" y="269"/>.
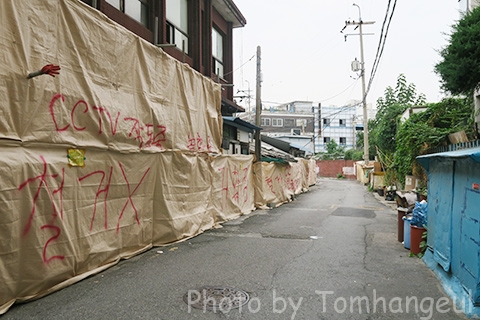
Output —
<point x="381" y="37"/>
<point x="352" y="84"/>
<point x="226" y="74"/>
<point x="381" y="43"/>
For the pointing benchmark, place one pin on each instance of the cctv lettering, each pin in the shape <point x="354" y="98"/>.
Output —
<point x="146" y="135"/>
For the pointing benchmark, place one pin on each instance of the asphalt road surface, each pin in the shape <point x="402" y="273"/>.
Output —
<point x="332" y="253"/>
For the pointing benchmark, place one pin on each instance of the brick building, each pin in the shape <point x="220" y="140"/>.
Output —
<point x="199" y="33"/>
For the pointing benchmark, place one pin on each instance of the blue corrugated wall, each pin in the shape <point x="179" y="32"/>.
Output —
<point x="454" y="222"/>
<point x="440" y="202"/>
<point x="466" y="228"/>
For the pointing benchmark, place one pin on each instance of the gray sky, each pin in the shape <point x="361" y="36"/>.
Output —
<point x="305" y="57"/>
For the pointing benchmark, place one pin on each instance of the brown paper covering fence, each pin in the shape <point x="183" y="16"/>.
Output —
<point x="151" y="129"/>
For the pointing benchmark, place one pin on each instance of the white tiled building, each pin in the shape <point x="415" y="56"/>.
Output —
<point x="335" y="123"/>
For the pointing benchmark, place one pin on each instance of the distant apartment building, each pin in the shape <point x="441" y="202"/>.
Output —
<point x="295" y="118"/>
<point x="337" y="124"/>
<point x="311" y="126"/>
<point x="292" y="122"/>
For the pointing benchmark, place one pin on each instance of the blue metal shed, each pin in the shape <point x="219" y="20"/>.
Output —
<point x="454" y="222"/>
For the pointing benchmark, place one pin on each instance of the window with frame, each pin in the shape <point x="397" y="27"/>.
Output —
<point x="265" y="122"/>
<point x="301" y="122"/>
<point x="136" y="9"/>
<point x="177" y="23"/>
<point x="217" y="52"/>
<point x="289" y="122"/>
<point x="342" y="122"/>
<point x="326" y="139"/>
<point x="343" y="141"/>
<point x="326" y="122"/>
<point x="89" y="2"/>
<point x="277" y="122"/>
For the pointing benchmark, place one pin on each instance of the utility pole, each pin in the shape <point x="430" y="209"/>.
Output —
<point x="359" y="24"/>
<point x="246" y="94"/>
<point x="249" y="97"/>
<point x="314" y="124"/>
<point x="258" y="108"/>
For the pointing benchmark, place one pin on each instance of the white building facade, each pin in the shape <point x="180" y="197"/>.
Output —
<point x="335" y="123"/>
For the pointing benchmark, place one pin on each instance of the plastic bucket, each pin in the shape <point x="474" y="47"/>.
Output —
<point x="416" y="234"/>
<point x="406" y="233"/>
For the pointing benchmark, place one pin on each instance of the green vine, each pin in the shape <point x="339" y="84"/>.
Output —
<point x="429" y="129"/>
<point x="397" y="144"/>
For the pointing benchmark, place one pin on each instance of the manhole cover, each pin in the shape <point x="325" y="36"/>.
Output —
<point x="215" y="298"/>
<point x="354" y="212"/>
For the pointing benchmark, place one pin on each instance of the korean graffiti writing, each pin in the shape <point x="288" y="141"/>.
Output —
<point x="289" y="179"/>
<point x="153" y="138"/>
<point x="196" y="143"/>
<point x="46" y="182"/>
<point x="105" y="190"/>
<point x="235" y="184"/>
<point x="130" y="194"/>
<point x="147" y="135"/>
<point x="50" y="186"/>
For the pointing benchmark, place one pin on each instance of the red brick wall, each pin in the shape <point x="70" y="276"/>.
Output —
<point x="331" y="168"/>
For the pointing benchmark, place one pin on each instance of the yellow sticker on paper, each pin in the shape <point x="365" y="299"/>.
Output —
<point x="76" y="157"/>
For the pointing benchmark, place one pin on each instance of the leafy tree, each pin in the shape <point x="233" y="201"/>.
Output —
<point x="334" y="151"/>
<point x="460" y="69"/>
<point x="332" y="147"/>
<point x="359" y="142"/>
<point x="352" y="154"/>
<point x="383" y="129"/>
